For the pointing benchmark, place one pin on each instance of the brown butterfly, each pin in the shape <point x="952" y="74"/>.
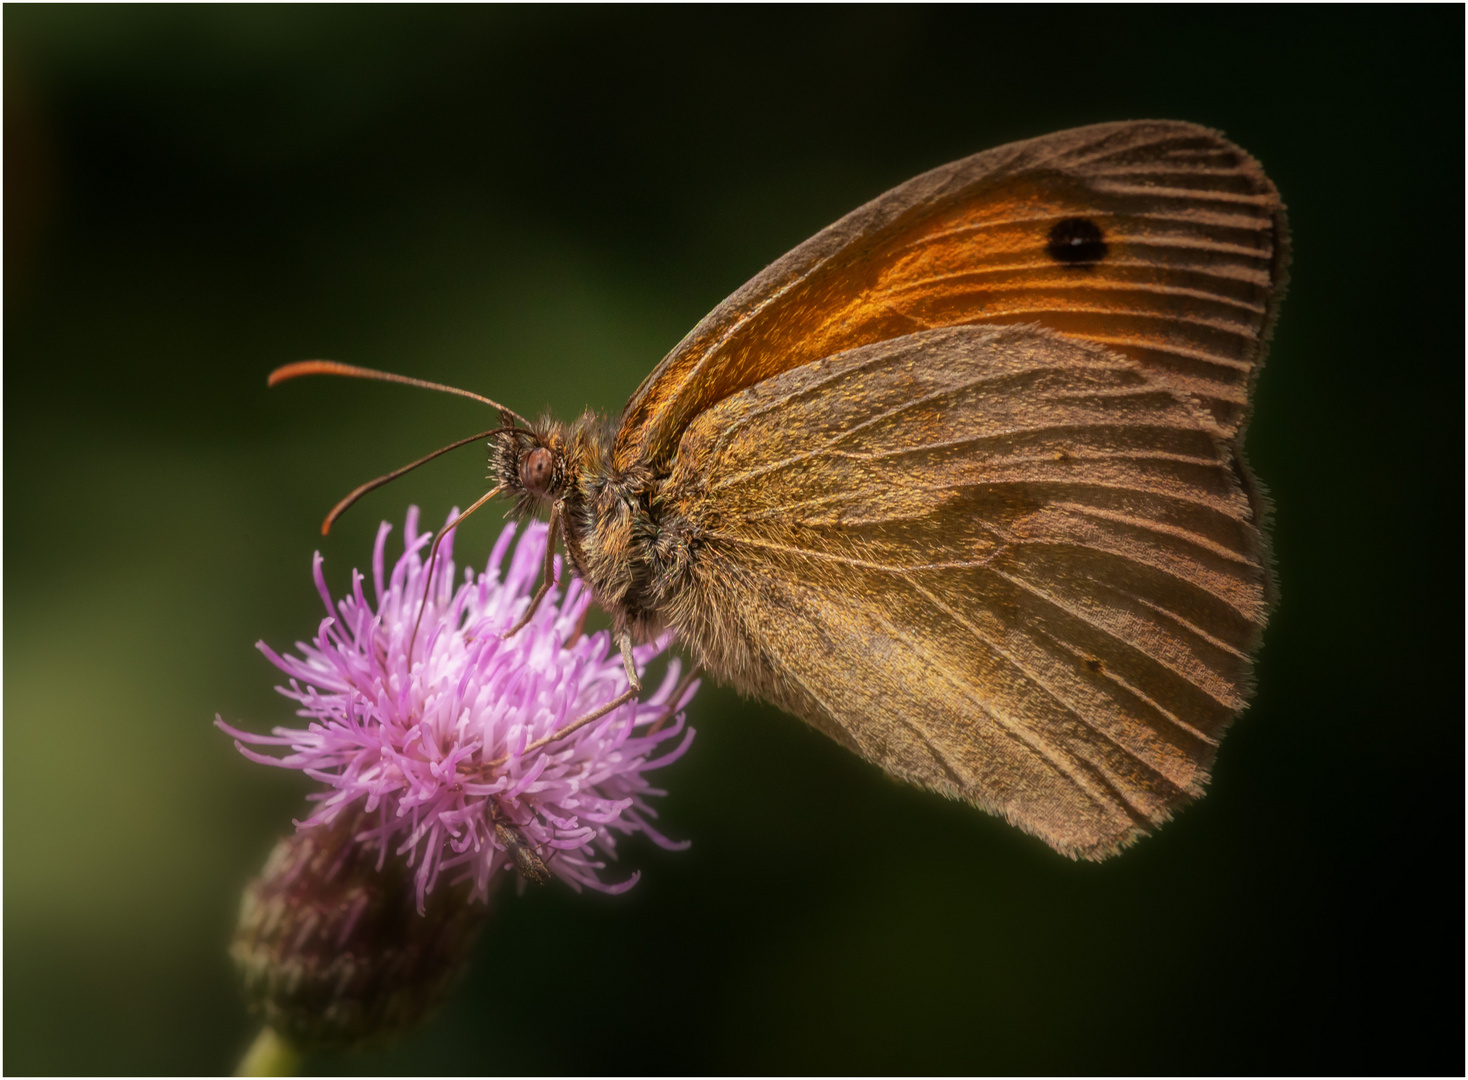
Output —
<point x="959" y="480"/>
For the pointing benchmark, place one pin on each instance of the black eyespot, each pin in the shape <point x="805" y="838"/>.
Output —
<point x="536" y="469"/>
<point x="1094" y="664"/>
<point x="1075" y="241"/>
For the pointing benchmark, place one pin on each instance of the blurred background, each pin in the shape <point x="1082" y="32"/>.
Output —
<point x="538" y="204"/>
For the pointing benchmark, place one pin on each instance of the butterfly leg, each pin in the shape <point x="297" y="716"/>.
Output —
<point x="547" y="574"/>
<point x="634" y="687"/>
<point x="624" y="642"/>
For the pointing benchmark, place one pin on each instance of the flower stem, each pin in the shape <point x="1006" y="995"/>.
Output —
<point x="269" y="1055"/>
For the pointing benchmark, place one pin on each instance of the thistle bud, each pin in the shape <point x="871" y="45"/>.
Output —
<point x="334" y="952"/>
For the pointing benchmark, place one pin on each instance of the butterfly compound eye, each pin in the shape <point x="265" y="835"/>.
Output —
<point x="535" y="470"/>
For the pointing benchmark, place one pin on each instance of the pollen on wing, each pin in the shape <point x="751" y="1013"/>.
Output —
<point x="431" y="748"/>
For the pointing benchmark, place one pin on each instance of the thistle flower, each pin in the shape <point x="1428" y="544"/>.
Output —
<point x="450" y="757"/>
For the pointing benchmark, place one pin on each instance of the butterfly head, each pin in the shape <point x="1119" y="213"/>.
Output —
<point x="528" y="464"/>
<point x="541" y="463"/>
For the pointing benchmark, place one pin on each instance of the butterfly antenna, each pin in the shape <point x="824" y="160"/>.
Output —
<point x="371" y="485"/>
<point x="433" y="561"/>
<point x="331" y="367"/>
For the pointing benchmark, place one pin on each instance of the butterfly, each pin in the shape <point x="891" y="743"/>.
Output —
<point x="959" y="481"/>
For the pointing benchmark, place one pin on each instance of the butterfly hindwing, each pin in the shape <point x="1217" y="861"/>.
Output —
<point x="1010" y="566"/>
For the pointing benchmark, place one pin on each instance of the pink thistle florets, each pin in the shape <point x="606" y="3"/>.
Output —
<point x="438" y="751"/>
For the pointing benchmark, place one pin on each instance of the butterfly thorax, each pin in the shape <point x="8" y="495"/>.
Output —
<point x="611" y="520"/>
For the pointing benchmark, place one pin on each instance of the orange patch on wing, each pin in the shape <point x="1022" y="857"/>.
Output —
<point x="1183" y="279"/>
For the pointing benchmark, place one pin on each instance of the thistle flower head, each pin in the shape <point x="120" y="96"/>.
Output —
<point x="450" y="755"/>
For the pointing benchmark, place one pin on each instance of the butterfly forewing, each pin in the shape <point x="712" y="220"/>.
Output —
<point x="1160" y="240"/>
<point x="1014" y="567"/>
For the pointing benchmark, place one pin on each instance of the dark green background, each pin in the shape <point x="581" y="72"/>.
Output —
<point x="538" y="204"/>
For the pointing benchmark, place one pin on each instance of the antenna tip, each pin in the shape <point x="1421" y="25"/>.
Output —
<point x="306" y="367"/>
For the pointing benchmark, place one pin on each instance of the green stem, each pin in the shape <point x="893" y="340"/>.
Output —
<point x="269" y="1055"/>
